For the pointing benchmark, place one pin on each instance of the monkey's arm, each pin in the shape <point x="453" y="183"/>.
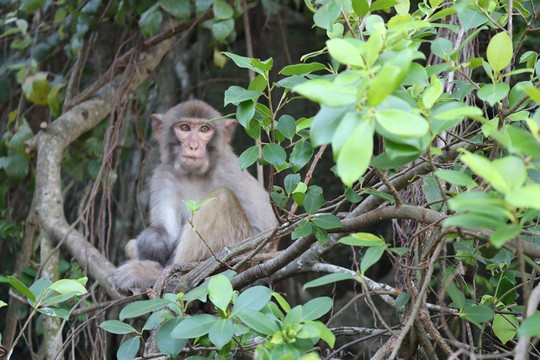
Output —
<point x="158" y="241"/>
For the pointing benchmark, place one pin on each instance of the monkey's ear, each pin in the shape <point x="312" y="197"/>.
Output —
<point x="157" y="125"/>
<point x="228" y="129"/>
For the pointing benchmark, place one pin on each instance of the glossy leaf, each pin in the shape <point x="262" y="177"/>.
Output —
<point x="328" y="279"/>
<point x="166" y="343"/>
<point x="371" y="256"/>
<point x="248" y="157"/>
<point x="316" y="308"/>
<point x="353" y="159"/>
<point x="128" y="349"/>
<point x="220" y="291"/>
<point x="221" y="333"/>
<point x="194" y="326"/>
<point x="254" y="298"/>
<point x="500" y="51"/>
<point x="274" y="154"/>
<point x="259" y="322"/>
<point x="139" y="308"/>
<point x="117" y="327"/>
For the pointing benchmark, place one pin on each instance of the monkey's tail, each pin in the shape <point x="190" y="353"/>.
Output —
<point x="136" y="276"/>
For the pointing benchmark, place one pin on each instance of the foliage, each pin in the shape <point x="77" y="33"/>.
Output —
<point x="415" y="124"/>
<point x="243" y="320"/>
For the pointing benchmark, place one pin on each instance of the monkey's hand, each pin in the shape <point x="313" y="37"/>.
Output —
<point x="155" y="244"/>
<point x="136" y="276"/>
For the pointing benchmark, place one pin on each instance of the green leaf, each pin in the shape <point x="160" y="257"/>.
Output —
<point x="503" y="234"/>
<point x="314" y="199"/>
<point x="328" y="279"/>
<point x="36" y="88"/>
<point x="287" y="126"/>
<point x="514" y="170"/>
<point x="304" y="229"/>
<point x="455" y="177"/>
<point x="21" y="288"/>
<point x="355" y="155"/>
<point x="117" y="327"/>
<point x="265" y="65"/>
<point x="220" y="291"/>
<point x="371" y="256"/>
<point x="500" y="51"/>
<point x="493" y="93"/>
<point x="128" y="349"/>
<point x="344" y="51"/>
<point x="222" y="29"/>
<point x="282" y="302"/>
<point x="505" y="327"/>
<point x="442" y="47"/>
<point x="54" y="311"/>
<point x="318" y="329"/>
<point x="327" y="221"/>
<point x="222" y="10"/>
<point x="221" y="333"/>
<point x="291" y="182"/>
<point x="327" y="14"/>
<point x="242" y="62"/>
<point x="459" y="113"/>
<point x="194" y="326"/>
<point x="327" y="93"/>
<point x="156" y="319"/>
<point x="65" y="286"/>
<point x="402" y="300"/>
<point x="254" y="298"/>
<point x="139" y="308"/>
<point x="235" y="95"/>
<point x="525" y="197"/>
<point x="30" y="6"/>
<point x="274" y="154"/>
<point x="180" y="9"/>
<point x="362" y="239"/>
<point x="2" y="304"/>
<point x="301" y="69"/>
<point x="530" y="326"/>
<point x="524" y="141"/>
<point x="258" y="322"/>
<point x="150" y="21"/>
<point x="245" y="112"/>
<point x="477" y="314"/>
<point x="432" y="93"/>
<point x="471" y="19"/>
<point x="483" y="167"/>
<point x="166" y="343"/>
<point x="402" y="124"/>
<point x="316" y="308"/>
<point x="360" y="7"/>
<point x="386" y="82"/>
<point x="476" y="221"/>
<point x="301" y="155"/>
<point x="248" y="157"/>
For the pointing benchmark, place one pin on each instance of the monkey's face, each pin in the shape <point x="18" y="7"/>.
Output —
<point x="192" y="151"/>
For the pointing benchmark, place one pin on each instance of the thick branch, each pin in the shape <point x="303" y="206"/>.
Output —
<point x="51" y="144"/>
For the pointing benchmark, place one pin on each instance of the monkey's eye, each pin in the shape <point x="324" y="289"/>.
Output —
<point x="204" y="128"/>
<point x="183" y="127"/>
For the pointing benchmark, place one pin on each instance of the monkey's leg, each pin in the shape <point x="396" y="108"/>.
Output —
<point x="155" y="244"/>
<point x="220" y="222"/>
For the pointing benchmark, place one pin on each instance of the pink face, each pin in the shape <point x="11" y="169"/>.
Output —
<point x="194" y="136"/>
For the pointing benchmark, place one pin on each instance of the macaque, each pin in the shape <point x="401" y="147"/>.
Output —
<point x="196" y="163"/>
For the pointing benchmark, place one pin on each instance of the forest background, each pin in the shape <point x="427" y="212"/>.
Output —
<point x="399" y="142"/>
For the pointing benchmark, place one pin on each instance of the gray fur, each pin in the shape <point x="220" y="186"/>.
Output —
<point x="171" y="185"/>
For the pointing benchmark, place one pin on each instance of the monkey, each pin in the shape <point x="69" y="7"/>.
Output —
<point x="196" y="163"/>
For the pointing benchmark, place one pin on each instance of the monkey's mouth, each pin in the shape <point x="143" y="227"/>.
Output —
<point x="190" y="159"/>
